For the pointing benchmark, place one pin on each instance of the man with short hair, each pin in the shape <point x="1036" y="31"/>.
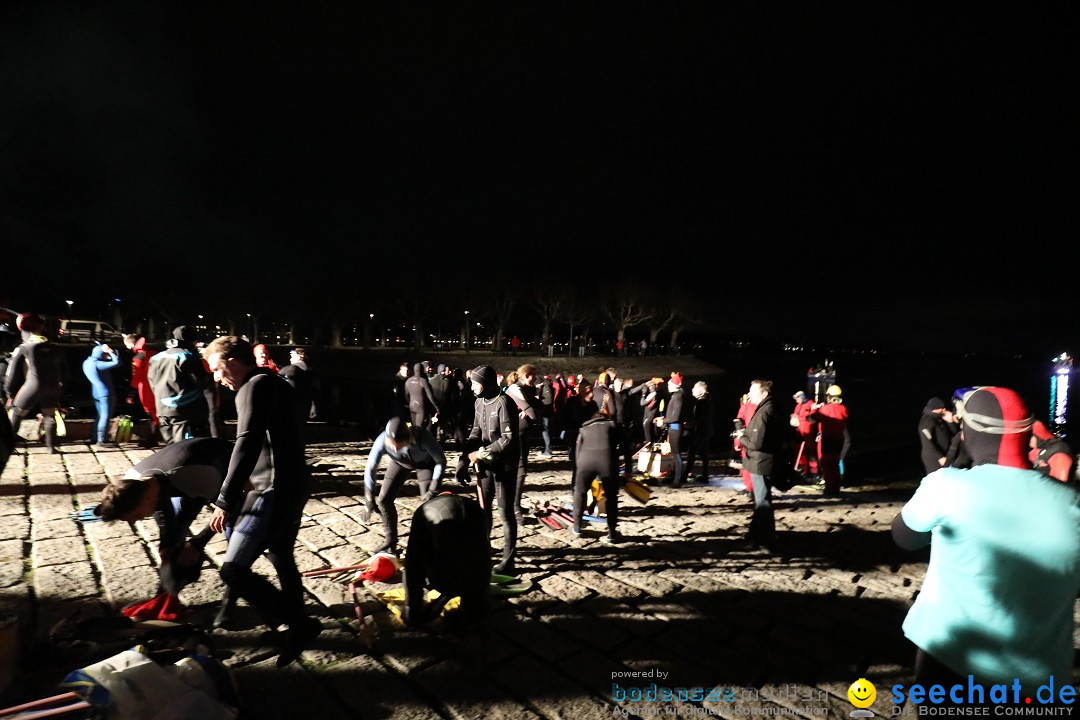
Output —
<point x="763" y="440"/>
<point x="264" y="492"/>
<point x="305" y="384"/>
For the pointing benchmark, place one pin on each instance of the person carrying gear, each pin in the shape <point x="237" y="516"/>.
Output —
<point x="806" y="432"/>
<point x="409" y="449"/>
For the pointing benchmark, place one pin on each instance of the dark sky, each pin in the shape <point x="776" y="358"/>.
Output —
<point x="895" y="173"/>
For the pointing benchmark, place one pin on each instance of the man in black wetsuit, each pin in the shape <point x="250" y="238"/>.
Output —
<point x="493" y="448"/>
<point x="305" y="385"/>
<point x="268" y="459"/>
<point x="419" y="397"/>
<point x="173" y="485"/>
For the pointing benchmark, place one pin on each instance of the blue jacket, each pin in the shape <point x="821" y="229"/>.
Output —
<point x="99" y="372"/>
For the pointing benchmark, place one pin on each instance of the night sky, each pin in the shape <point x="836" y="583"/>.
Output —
<point x="895" y="174"/>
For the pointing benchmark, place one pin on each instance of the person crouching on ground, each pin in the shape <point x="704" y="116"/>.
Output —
<point x="448" y="551"/>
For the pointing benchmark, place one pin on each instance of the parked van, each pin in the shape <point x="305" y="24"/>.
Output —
<point x="85" y="331"/>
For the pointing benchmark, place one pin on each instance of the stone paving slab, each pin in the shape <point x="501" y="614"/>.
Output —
<point x="685" y="602"/>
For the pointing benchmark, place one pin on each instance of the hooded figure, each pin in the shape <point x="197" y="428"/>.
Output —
<point x="493" y="450"/>
<point x="420" y="399"/>
<point x="1004" y="572"/>
<point x="182" y="388"/>
<point x="936" y="431"/>
<point x="98" y="370"/>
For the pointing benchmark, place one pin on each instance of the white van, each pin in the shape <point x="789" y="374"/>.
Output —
<point x="85" y="331"/>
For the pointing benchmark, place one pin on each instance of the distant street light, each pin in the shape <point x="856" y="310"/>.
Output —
<point x="69" y="304"/>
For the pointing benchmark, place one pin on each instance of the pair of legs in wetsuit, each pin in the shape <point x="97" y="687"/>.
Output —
<point x="393" y="480"/>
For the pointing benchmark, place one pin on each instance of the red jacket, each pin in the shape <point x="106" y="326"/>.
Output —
<point x="806" y="427"/>
<point x="746" y="411"/>
<point x="140" y="363"/>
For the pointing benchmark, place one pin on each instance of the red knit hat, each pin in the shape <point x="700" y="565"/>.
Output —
<point x="676" y="378"/>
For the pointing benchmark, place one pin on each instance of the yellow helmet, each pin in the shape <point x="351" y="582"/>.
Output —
<point x="833" y="394"/>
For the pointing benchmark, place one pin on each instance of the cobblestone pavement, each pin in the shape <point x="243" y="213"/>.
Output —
<point x="685" y="601"/>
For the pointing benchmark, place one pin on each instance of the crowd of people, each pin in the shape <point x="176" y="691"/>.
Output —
<point x="998" y="505"/>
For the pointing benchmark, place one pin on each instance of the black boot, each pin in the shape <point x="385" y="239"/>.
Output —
<point x="225" y="612"/>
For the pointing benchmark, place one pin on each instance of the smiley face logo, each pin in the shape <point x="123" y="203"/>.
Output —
<point x="862" y="693"/>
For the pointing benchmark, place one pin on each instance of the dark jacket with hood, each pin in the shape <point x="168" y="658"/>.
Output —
<point x="179" y="379"/>
<point x="495" y="422"/>
<point x="935" y="435"/>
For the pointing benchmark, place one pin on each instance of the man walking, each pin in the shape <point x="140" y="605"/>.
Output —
<point x="264" y="492"/>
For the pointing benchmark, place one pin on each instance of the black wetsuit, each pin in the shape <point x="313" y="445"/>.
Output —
<point x="9" y="340"/>
<point x="935" y="438"/>
<point x="40" y="365"/>
<point x="495" y="434"/>
<point x="191" y="470"/>
<point x="650" y="404"/>
<point x="448" y="551"/>
<point x="419" y="397"/>
<point x="422" y="455"/>
<point x="529" y="410"/>
<point x="597" y="457"/>
<point x="269" y="458"/>
<point x="702" y="435"/>
<point x="305" y="384"/>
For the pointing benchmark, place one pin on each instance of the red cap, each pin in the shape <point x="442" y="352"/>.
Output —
<point x="676" y="378"/>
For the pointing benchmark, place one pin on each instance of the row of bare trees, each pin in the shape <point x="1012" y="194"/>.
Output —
<point x="553" y="312"/>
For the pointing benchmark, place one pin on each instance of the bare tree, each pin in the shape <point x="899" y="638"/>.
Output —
<point x="548" y="301"/>
<point x="625" y="306"/>
<point x="684" y="313"/>
<point x="577" y="311"/>
<point x="500" y="308"/>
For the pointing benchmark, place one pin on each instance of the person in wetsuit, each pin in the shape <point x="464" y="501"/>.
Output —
<point x="98" y="369"/>
<point x="173" y="485"/>
<point x="264" y="492"/>
<point x="448" y="551"/>
<point x="420" y="399"/>
<point x="936" y="430"/>
<point x="703" y="431"/>
<point x="493" y="449"/>
<point x="597" y="456"/>
<point x="408" y="449"/>
<point x="40" y="366"/>
<point x="523" y="392"/>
